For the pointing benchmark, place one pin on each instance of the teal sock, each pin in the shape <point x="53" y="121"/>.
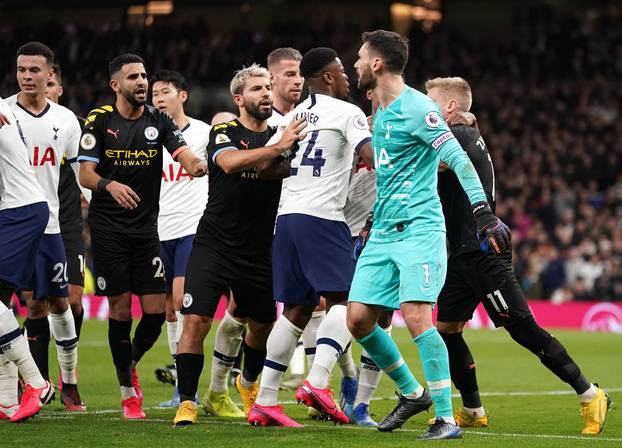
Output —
<point x="383" y="350"/>
<point x="435" y="361"/>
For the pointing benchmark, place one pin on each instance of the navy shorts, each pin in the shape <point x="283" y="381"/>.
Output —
<point x="310" y="256"/>
<point x="21" y="230"/>
<point x="49" y="278"/>
<point x="175" y="254"/>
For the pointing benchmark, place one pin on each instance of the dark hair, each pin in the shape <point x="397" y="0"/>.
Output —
<point x="36" y="49"/>
<point x="315" y="60"/>
<point x="392" y="48"/>
<point x="170" y="77"/>
<point x="58" y="73"/>
<point x="283" y="54"/>
<point x="127" y="58"/>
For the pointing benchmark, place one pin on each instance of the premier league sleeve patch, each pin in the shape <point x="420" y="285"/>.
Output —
<point x="432" y="120"/>
<point x="88" y="141"/>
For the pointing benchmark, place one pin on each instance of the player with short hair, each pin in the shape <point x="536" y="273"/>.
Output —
<point x="232" y="247"/>
<point x="121" y="162"/>
<point x="312" y="244"/>
<point x="51" y="131"/>
<point x="24" y="215"/>
<point x="182" y="198"/>
<point x="474" y="277"/>
<point x="70" y="214"/>
<point x="404" y="262"/>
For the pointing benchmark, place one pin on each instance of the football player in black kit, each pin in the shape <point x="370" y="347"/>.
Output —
<point x="121" y="162"/>
<point x="475" y="273"/>
<point x="232" y="247"/>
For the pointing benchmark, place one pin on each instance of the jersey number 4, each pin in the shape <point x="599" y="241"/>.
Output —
<point x="317" y="162"/>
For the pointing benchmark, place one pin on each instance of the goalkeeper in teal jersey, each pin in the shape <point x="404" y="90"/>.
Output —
<point x="404" y="263"/>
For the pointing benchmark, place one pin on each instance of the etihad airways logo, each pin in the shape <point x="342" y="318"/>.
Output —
<point x="131" y="157"/>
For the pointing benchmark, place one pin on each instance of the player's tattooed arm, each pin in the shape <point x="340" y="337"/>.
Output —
<point x="465" y="118"/>
<point x="192" y="164"/>
<point x="123" y="194"/>
<point x="274" y="169"/>
<point x="235" y="161"/>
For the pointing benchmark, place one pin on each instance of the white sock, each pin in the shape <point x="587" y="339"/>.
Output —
<point x="281" y="345"/>
<point x="417" y="393"/>
<point x="345" y="361"/>
<point x="309" y="335"/>
<point x="449" y="420"/>
<point x="588" y="395"/>
<point x="369" y="376"/>
<point x="297" y="364"/>
<point x="64" y="329"/>
<point x="171" y="336"/>
<point x="180" y="326"/>
<point x="127" y="392"/>
<point x="333" y="337"/>
<point x="226" y="348"/>
<point x="15" y="348"/>
<point x="8" y="382"/>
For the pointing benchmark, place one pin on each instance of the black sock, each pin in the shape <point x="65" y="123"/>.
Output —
<point x="120" y="343"/>
<point x="550" y="351"/>
<point x="189" y="368"/>
<point x="38" y="341"/>
<point x="462" y="368"/>
<point x="253" y="362"/>
<point x="147" y="333"/>
<point x="78" y="318"/>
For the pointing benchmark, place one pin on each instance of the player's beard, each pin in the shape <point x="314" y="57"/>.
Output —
<point x="366" y="80"/>
<point x="255" y="111"/>
<point x="129" y="96"/>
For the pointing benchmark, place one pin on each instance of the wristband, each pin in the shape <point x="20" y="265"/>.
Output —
<point x="102" y="183"/>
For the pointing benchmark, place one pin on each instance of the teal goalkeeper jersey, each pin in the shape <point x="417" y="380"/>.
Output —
<point x="409" y="139"/>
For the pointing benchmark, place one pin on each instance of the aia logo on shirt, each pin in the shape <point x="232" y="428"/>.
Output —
<point x="42" y="157"/>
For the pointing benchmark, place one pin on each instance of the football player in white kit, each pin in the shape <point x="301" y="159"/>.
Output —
<point x="23" y="217"/>
<point x="50" y="132"/>
<point x="313" y="245"/>
<point x="182" y="200"/>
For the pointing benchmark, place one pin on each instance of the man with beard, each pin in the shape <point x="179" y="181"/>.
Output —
<point x="404" y="263"/>
<point x="121" y="161"/>
<point x="232" y="247"/>
<point x="312" y="242"/>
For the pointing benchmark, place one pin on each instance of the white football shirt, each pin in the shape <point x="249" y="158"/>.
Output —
<point x="17" y="188"/>
<point x="322" y="163"/>
<point x="49" y="136"/>
<point x="361" y="196"/>
<point x="182" y="197"/>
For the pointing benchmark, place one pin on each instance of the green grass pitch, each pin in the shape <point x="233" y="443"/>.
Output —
<point x="529" y="407"/>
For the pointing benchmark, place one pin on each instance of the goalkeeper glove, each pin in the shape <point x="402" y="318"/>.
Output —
<point x="361" y="240"/>
<point x="492" y="233"/>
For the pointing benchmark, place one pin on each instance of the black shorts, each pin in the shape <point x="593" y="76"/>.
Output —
<point x="126" y="262"/>
<point x="476" y="277"/>
<point x="74" y="253"/>
<point x="211" y="273"/>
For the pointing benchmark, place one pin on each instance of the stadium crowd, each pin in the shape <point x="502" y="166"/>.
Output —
<point x="550" y="117"/>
